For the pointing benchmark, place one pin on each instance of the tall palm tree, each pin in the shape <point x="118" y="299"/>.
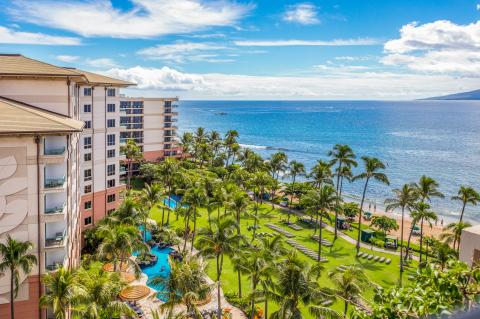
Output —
<point x="151" y="196"/>
<point x="405" y="198"/>
<point x="169" y="171"/>
<point x="319" y="202"/>
<point x="186" y="142"/>
<point x="373" y="168"/>
<point x="349" y="284"/>
<point x="467" y="195"/>
<point x="295" y="169"/>
<point x="221" y="239"/>
<point x="231" y="146"/>
<point x="453" y="234"/>
<point x="423" y="214"/>
<point x="427" y="188"/>
<point x="132" y="154"/>
<point x="321" y="173"/>
<point x="101" y="295"/>
<point x="15" y="258"/>
<point x="195" y="197"/>
<point x="342" y="155"/>
<point x="297" y="285"/>
<point x="63" y="293"/>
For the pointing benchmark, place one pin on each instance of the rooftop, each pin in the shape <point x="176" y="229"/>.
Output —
<point x="473" y="229"/>
<point x="21" y="118"/>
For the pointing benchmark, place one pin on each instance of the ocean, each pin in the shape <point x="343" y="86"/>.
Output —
<point x="440" y="139"/>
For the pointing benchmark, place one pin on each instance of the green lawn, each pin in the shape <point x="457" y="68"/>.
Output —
<point x="342" y="253"/>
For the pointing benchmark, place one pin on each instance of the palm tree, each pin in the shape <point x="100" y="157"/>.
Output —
<point x="63" y="294"/>
<point x="221" y="239"/>
<point x="169" y="171"/>
<point x="319" y="202"/>
<point x="321" y="173"/>
<point x="427" y="188"/>
<point x="297" y="285"/>
<point x="349" y="285"/>
<point x="405" y="198"/>
<point x="15" y="258"/>
<point x="186" y="142"/>
<point x="342" y="155"/>
<point x="467" y="195"/>
<point x="231" y="145"/>
<point x="195" y="197"/>
<point x="295" y="169"/>
<point x="132" y="153"/>
<point x="453" y="234"/>
<point x="423" y="214"/>
<point x="101" y="291"/>
<point x="372" y="171"/>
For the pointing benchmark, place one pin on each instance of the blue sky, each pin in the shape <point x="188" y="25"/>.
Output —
<point x="199" y="49"/>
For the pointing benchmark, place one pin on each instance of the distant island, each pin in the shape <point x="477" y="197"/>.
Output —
<point x="472" y="95"/>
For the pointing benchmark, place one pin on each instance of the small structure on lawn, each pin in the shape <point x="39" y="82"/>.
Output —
<point x="367" y="215"/>
<point x="342" y="223"/>
<point x="391" y="242"/>
<point x="366" y="235"/>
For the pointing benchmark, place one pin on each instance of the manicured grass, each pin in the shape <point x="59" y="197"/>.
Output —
<point x="342" y="253"/>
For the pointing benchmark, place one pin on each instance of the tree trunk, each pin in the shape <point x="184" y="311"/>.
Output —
<point x="219" y="302"/>
<point x="409" y="240"/>
<point x="345" y="309"/>
<point x="194" y="227"/>
<point x="463" y="211"/>
<point x="163" y="215"/>
<point x="186" y="233"/>
<point x="421" y="239"/>
<point x="336" y="207"/>
<point x="360" y="215"/>
<point x="266" y="307"/>
<point x="129" y="173"/>
<point x="12" y="299"/>
<point x="239" y="276"/>
<point x="169" y="207"/>
<point x="401" y="246"/>
<point x="319" y="257"/>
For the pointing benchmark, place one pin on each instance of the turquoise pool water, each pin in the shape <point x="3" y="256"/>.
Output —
<point x="173" y="202"/>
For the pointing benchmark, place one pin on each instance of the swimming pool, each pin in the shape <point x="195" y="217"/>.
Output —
<point x="173" y="202"/>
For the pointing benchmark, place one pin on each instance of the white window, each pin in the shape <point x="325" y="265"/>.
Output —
<point x="87" y="142"/>
<point x="111" y="92"/>
<point x="87" y="108"/>
<point x="87" y="91"/>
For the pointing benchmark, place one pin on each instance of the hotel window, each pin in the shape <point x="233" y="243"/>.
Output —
<point x="111" y="123"/>
<point x="111" y="92"/>
<point x="110" y="108"/>
<point x="88" y="124"/>
<point x="87" y="142"/>
<point x="87" y="175"/>
<point x="88" y="205"/>
<point x="87" y="189"/>
<point x="110" y="139"/>
<point x="87" y="108"/>
<point x="111" y="183"/>
<point x="87" y="91"/>
<point x="88" y="220"/>
<point x="87" y="157"/>
<point x="110" y="153"/>
<point x="110" y="198"/>
<point x="111" y="169"/>
<point x="110" y="211"/>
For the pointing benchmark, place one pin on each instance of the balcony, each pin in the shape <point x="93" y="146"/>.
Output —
<point x="54" y="203"/>
<point x="54" y="182"/>
<point x="55" y="234"/>
<point x="54" y="259"/>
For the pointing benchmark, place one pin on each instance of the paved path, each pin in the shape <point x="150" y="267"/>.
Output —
<point x="343" y="235"/>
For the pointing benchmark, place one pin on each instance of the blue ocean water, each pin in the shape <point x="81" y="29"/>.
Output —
<point x="440" y="139"/>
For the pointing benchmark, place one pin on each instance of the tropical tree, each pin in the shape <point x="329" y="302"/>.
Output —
<point x="319" y="202"/>
<point x="132" y="154"/>
<point x="297" y="285"/>
<point x="467" y="195"/>
<point x="169" y="171"/>
<point x="384" y="223"/>
<point x="423" y="214"/>
<point x="321" y="173"/>
<point x="405" y="198"/>
<point x="231" y="146"/>
<point x="195" y="197"/>
<point x="453" y="233"/>
<point x="373" y="168"/>
<point x="427" y="188"/>
<point x="349" y="285"/>
<point x="295" y="169"/>
<point x="342" y="156"/>
<point x="186" y="142"/>
<point x="15" y="258"/>
<point x="217" y="241"/>
<point x="152" y="195"/>
<point x="63" y="294"/>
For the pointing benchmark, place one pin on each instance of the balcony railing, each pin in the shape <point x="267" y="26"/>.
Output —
<point x="54" y="182"/>
<point x="57" y="240"/>
<point x="54" y="266"/>
<point x="55" y="210"/>
<point x="55" y="151"/>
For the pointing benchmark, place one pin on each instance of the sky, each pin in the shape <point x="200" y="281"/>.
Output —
<point x="247" y="50"/>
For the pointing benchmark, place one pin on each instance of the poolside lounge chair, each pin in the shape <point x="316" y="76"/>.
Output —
<point x="376" y="258"/>
<point x="388" y="261"/>
<point x="370" y="257"/>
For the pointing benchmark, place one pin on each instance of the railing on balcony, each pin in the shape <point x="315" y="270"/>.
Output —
<point x="54" y="182"/>
<point x="55" y="210"/>
<point x="56" y="240"/>
<point x="54" y="265"/>
<point x="54" y="151"/>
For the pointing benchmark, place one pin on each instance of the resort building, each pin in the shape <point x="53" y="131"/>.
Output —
<point x="470" y="245"/>
<point x="60" y="162"/>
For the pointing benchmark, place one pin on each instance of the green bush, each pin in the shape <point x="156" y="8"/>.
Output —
<point x="241" y="303"/>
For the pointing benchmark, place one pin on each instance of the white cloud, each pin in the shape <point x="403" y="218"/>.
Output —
<point x="478" y="6"/>
<point x="147" y="18"/>
<point x="101" y="63"/>
<point x="350" y="85"/>
<point x="352" y="58"/>
<point x="17" y="37"/>
<point x="302" y="13"/>
<point x="441" y="46"/>
<point x="182" y="52"/>
<point x="67" y="58"/>
<point x="278" y="43"/>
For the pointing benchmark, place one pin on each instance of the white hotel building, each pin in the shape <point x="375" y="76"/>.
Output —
<point x="60" y="161"/>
